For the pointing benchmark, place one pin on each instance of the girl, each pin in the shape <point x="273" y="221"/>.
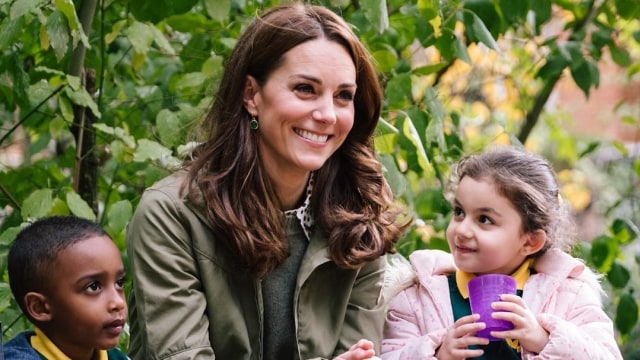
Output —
<point x="507" y="219"/>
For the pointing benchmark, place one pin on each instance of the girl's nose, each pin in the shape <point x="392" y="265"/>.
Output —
<point x="464" y="229"/>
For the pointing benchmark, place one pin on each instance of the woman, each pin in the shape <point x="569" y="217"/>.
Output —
<point x="269" y="243"/>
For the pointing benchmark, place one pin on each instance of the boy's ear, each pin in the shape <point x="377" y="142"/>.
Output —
<point x="534" y="242"/>
<point x="248" y="96"/>
<point x="37" y="305"/>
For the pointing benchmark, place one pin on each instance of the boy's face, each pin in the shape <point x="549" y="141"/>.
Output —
<point x="86" y="297"/>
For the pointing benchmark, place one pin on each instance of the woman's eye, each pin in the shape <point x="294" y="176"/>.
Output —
<point x="305" y="88"/>
<point x="345" y="95"/>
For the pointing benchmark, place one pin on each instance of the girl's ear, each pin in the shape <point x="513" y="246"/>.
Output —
<point x="250" y="90"/>
<point x="37" y="305"/>
<point x="534" y="242"/>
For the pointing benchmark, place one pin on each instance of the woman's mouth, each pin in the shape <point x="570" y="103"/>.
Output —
<point x="311" y="136"/>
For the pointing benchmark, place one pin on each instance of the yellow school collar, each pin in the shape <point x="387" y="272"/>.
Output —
<point x="521" y="275"/>
<point x="49" y="350"/>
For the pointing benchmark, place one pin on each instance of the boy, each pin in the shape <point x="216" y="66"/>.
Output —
<point x="68" y="278"/>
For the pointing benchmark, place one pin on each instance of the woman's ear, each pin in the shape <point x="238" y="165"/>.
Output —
<point x="37" y="305"/>
<point x="534" y="242"/>
<point x="249" y="95"/>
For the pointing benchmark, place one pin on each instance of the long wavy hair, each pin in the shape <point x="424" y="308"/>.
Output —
<point x="351" y="201"/>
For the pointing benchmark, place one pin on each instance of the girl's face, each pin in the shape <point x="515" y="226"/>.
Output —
<point x="485" y="233"/>
<point x="305" y="109"/>
<point x="86" y="300"/>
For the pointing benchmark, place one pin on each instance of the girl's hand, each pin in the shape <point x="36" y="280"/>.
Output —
<point x="362" y="350"/>
<point x="526" y="329"/>
<point x="459" y="337"/>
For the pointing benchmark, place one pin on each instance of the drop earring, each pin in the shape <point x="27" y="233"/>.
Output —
<point x="253" y="124"/>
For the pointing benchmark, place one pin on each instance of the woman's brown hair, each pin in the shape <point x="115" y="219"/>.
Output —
<point x="351" y="200"/>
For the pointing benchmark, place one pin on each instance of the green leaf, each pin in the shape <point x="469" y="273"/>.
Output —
<point x="10" y="32"/>
<point x="157" y="10"/>
<point x="218" y="9"/>
<point x="479" y="30"/>
<point x="410" y="132"/>
<point x="429" y="69"/>
<point x="7" y="236"/>
<point x="584" y="77"/>
<point x="119" y="214"/>
<point x="394" y="177"/>
<point x="618" y="275"/>
<point x="5" y="296"/>
<point x="151" y="150"/>
<point x="601" y="253"/>
<point x="82" y="98"/>
<point x="376" y="12"/>
<point x="69" y="10"/>
<point x="118" y="132"/>
<point x="624" y="230"/>
<point x="21" y="7"/>
<point x="398" y="92"/>
<point x="541" y="14"/>
<point x="626" y="313"/>
<point x="428" y="9"/>
<point x="161" y="41"/>
<point x="37" y="204"/>
<point x="619" y="55"/>
<point x="79" y="207"/>
<point x="628" y="9"/>
<point x="58" y="33"/>
<point x="386" y="59"/>
<point x="167" y="122"/>
<point x="141" y="36"/>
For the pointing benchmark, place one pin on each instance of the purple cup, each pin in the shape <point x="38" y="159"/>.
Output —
<point x="485" y="289"/>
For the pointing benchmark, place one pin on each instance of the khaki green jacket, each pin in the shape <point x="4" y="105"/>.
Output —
<point x="186" y="303"/>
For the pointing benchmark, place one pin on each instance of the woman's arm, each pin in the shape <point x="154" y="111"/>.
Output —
<point x="168" y="319"/>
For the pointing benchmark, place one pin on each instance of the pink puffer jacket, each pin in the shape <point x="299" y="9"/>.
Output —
<point x="564" y="293"/>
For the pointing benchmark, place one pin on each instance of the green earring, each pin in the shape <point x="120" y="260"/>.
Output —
<point x="253" y="123"/>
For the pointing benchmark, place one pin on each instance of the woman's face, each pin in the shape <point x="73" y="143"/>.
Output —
<point x="305" y="108"/>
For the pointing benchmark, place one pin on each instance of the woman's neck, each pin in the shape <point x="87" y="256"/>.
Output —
<point x="289" y="189"/>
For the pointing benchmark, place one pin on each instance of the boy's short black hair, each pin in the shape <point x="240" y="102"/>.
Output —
<point x="38" y="245"/>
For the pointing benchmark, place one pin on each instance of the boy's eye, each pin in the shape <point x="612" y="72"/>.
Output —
<point x="94" y="286"/>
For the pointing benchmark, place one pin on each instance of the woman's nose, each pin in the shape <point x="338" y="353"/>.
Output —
<point x="325" y="112"/>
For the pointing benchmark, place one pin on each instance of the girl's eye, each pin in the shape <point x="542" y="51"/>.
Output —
<point x="458" y="212"/>
<point x="485" y="220"/>
<point x="120" y="282"/>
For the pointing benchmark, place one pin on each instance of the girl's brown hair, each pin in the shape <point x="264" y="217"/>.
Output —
<point x="352" y="201"/>
<point x="529" y="183"/>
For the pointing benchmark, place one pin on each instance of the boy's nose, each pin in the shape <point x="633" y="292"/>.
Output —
<point x="117" y="301"/>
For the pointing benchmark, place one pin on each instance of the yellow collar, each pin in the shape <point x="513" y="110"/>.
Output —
<point x="521" y="275"/>
<point x="49" y="350"/>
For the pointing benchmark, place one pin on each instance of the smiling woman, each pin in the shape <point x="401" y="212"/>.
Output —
<point x="283" y="199"/>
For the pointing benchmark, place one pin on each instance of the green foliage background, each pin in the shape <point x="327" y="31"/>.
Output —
<point x="102" y="97"/>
